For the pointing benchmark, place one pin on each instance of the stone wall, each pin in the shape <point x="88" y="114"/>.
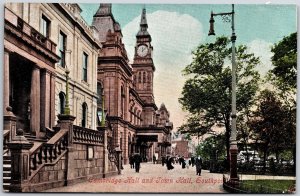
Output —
<point x="85" y="167"/>
<point x="50" y="176"/>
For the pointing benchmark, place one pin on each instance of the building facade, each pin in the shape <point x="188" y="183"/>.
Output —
<point x="138" y="125"/>
<point x="48" y="40"/>
<point x="74" y="107"/>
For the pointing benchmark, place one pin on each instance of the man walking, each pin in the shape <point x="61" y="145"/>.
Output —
<point x="137" y="162"/>
<point x="198" y="165"/>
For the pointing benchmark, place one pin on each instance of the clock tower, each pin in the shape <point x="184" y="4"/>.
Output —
<point x="143" y="70"/>
<point x="143" y="66"/>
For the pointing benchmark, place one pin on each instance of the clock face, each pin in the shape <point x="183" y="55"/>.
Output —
<point x="142" y="50"/>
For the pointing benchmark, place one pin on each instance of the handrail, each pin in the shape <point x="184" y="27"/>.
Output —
<point x="48" y="152"/>
<point x="6" y="135"/>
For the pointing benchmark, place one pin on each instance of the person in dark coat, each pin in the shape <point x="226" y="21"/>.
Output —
<point x="193" y="161"/>
<point x="154" y="159"/>
<point x="198" y="164"/>
<point x="182" y="162"/>
<point x="163" y="160"/>
<point x="131" y="161"/>
<point x="169" y="163"/>
<point x="137" y="162"/>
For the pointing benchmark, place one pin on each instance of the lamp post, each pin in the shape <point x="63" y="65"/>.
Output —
<point x="233" y="142"/>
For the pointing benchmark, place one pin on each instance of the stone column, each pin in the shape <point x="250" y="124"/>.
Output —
<point x="6" y="81"/>
<point x="66" y="123"/>
<point x="52" y="100"/>
<point x="35" y="102"/>
<point x="125" y="145"/>
<point x="45" y="99"/>
<point x="105" y="151"/>
<point x="20" y="163"/>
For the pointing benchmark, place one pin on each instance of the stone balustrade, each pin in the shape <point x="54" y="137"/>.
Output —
<point x="87" y="136"/>
<point x="48" y="152"/>
<point x="23" y="27"/>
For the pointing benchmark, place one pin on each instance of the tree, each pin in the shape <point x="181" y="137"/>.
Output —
<point x="285" y="62"/>
<point x="270" y="124"/>
<point x="284" y="78"/>
<point x="211" y="144"/>
<point x="195" y="126"/>
<point x="208" y="89"/>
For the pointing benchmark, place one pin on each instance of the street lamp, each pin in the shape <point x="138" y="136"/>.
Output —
<point x="233" y="142"/>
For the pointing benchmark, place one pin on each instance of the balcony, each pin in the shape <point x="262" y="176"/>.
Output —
<point x="23" y="30"/>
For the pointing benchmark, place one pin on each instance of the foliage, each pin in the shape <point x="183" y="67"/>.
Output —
<point x="285" y="62"/>
<point x="271" y="124"/>
<point x="207" y="92"/>
<point x="272" y="185"/>
<point x="211" y="145"/>
<point x="195" y="126"/>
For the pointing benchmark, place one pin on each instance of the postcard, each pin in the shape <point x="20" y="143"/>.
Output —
<point x="149" y="98"/>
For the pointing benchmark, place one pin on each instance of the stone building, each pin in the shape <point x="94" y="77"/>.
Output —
<point x="72" y="100"/>
<point x="57" y="40"/>
<point x="50" y="135"/>
<point x="138" y="126"/>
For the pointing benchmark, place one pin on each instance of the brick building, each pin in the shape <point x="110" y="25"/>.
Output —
<point x="138" y="125"/>
<point x="60" y="75"/>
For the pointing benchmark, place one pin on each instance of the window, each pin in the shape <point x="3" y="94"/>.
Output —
<point x="122" y="102"/>
<point x="84" y="66"/>
<point x="144" y="77"/>
<point x="62" y="49"/>
<point x="84" y="115"/>
<point x="99" y="94"/>
<point x="62" y="102"/>
<point x="45" y="26"/>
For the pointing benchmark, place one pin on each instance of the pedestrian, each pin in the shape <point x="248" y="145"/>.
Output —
<point x="187" y="163"/>
<point x="182" y="162"/>
<point x="154" y="159"/>
<point x="131" y="161"/>
<point x="169" y="163"/>
<point x="163" y="159"/>
<point x="190" y="162"/>
<point x="193" y="161"/>
<point x="198" y="164"/>
<point x="137" y="162"/>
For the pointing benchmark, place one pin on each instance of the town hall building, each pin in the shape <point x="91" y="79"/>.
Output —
<point x="74" y="107"/>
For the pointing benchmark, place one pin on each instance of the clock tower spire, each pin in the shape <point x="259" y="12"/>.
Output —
<point x="143" y="66"/>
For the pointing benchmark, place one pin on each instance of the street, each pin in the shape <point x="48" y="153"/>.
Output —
<point x="152" y="178"/>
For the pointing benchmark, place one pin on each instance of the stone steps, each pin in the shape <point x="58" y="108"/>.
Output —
<point x="6" y="172"/>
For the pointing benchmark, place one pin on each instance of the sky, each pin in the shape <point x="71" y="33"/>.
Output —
<point x="177" y="29"/>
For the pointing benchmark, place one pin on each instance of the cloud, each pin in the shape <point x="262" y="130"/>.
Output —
<point x="174" y="36"/>
<point x="262" y="49"/>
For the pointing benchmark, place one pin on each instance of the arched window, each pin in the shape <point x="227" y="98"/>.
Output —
<point x="84" y="115"/>
<point x="140" y="77"/>
<point x="144" y="77"/>
<point x="134" y="79"/>
<point x="134" y="116"/>
<point x="122" y="102"/>
<point x="62" y="102"/>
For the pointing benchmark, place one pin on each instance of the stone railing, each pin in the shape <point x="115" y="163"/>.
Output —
<point x="6" y="140"/>
<point x="50" y="152"/>
<point x="22" y="26"/>
<point x="87" y="136"/>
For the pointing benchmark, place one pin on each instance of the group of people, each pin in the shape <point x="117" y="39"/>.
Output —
<point x="136" y="159"/>
<point x="185" y="163"/>
<point x="135" y="162"/>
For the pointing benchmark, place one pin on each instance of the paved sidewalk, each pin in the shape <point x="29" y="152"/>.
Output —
<point x="153" y="178"/>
